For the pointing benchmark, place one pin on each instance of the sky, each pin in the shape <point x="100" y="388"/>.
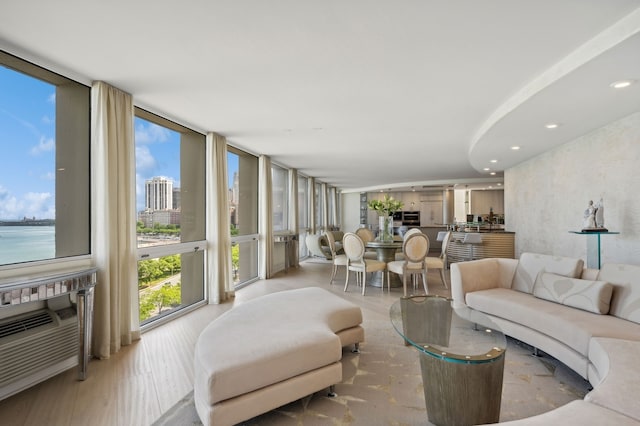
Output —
<point x="27" y="135"/>
<point x="27" y="163"/>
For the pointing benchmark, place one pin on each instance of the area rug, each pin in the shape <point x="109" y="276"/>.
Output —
<point x="382" y="385"/>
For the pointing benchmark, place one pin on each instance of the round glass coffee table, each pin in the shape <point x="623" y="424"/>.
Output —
<point x="462" y="361"/>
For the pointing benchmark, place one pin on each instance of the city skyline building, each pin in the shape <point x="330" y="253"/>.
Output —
<point x="162" y="203"/>
<point x="158" y="193"/>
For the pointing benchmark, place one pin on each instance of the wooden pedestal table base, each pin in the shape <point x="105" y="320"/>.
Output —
<point x="462" y="363"/>
<point x="462" y="394"/>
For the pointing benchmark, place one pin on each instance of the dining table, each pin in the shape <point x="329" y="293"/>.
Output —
<point x="385" y="252"/>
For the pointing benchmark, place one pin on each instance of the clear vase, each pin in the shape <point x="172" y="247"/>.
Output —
<point x="386" y="228"/>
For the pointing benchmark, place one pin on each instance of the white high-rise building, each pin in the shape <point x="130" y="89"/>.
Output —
<point x="158" y="193"/>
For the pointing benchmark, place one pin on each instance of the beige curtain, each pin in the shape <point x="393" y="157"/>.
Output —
<point x="333" y="202"/>
<point x="220" y="283"/>
<point x="325" y="206"/>
<point x="265" y="223"/>
<point x="312" y="206"/>
<point x="293" y="213"/>
<point x="116" y="320"/>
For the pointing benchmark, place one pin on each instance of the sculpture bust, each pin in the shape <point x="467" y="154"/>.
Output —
<point x="589" y="216"/>
<point x="593" y="218"/>
<point x="600" y="214"/>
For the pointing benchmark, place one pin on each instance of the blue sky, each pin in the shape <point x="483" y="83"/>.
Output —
<point x="27" y="135"/>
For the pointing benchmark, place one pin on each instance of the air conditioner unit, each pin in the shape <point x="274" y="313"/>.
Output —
<point x="36" y="346"/>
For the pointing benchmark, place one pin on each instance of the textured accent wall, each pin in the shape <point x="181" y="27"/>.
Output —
<point x="545" y="197"/>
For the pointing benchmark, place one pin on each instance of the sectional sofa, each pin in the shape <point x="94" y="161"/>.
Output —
<point x="588" y="319"/>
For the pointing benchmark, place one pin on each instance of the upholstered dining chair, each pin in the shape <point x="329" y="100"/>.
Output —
<point x="415" y="249"/>
<point x="354" y="250"/>
<point x="338" y="259"/>
<point x="440" y="262"/>
<point x="400" y="256"/>
<point x="410" y="232"/>
<point x="366" y="235"/>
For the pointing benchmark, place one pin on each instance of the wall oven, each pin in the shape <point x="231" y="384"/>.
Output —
<point x="411" y="218"/>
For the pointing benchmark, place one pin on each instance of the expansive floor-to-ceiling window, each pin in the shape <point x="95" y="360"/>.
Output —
<point x="280" y="198"/>
<point x="170" y="204"/>
<point x="243" y="211"/>
<point x="45" y="165"/>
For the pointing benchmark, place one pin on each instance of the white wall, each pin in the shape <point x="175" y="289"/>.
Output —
<point x="546" y="196"/>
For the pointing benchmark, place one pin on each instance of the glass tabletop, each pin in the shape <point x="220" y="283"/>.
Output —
<point x="430" y="324"/>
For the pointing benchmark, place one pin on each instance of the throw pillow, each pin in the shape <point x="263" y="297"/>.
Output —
<point x="592" y="296"/>
<point x="530" y="264"/>
<point x="625" y="301"/>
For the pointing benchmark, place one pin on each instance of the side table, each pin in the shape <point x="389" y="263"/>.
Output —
<point x="594" y="253"/>
<point x="462" y="363"/>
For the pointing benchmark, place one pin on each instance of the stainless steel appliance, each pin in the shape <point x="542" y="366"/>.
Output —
<point x="411" y="218"/>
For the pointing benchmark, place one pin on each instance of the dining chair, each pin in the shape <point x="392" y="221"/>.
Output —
<point x="366" y="235"/>
<point x="354" y="250"/>
<point x="400" y="256"/>
<point x="410" y="232"/>
<point x="440" y="262"/>
<point x="337" y="259"/>
<point x="415" y="249"/>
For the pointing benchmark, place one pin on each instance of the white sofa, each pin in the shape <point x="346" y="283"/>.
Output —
<point x="270" y="351"/>
<point x="582" y="317"/>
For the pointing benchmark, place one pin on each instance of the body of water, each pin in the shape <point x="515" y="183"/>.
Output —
<point x="26" y="243"/>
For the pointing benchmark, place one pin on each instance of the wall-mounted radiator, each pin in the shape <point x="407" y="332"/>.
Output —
<point x="40" y="343"/>
<point x="35" y="346"/>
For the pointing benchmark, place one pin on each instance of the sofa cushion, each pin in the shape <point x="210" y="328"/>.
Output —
<point x="270" y="339"/>
<point x="592" y="296"/>
<point x="618" y="388"/>
<point x="531" y="264"/>
<point x="278" y="352"/>
<point x="625" y="300"/>
<point x="576" y="413"/>
<point x="573" y="327"/>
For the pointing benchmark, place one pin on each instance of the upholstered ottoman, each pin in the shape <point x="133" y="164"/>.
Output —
<point x="270" y="351"/>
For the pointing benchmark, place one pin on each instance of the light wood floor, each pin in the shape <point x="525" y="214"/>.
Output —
<point x="142" y="381"/>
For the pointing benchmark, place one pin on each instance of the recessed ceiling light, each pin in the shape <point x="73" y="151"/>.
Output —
<point x="515" y="148"/>
<point x="486" y="169"/>
<point x="552" y="125"/>
<point x="499" y="184"/>
<point x="621" y="84"/>
<point x="492" y="173"/>
<point x="493" y="161"/>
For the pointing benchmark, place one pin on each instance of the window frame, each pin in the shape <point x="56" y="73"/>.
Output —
<point x="72" y="189"/>
<point x="180" y="247"/>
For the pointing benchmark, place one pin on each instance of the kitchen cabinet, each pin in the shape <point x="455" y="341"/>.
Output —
<point x="483" y="201"/>
<point x="430" y="213"/>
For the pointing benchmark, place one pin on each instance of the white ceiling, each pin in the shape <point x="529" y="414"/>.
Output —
<point x="360" y="94"/>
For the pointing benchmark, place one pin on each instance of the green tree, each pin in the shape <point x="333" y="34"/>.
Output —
<point x="144" y="272"/>
<point x="235" y="256"/>
<point x="147" y="307"/>
<point x="155" y="301"/>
